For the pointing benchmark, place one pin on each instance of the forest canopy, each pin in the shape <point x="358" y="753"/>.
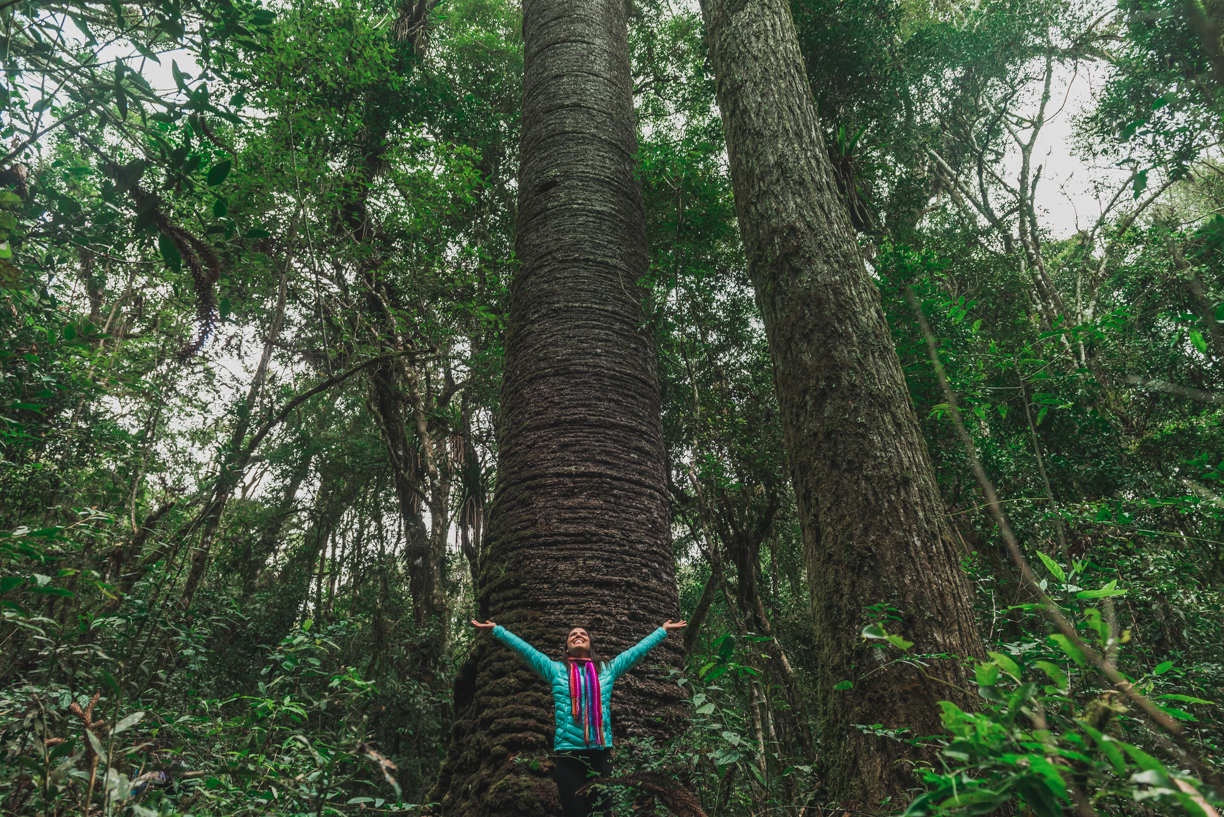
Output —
<point x="266" y="405"/>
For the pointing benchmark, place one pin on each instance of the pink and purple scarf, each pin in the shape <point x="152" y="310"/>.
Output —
<point x="585" y="699"/>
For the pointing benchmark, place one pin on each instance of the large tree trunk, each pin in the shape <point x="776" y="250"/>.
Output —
<point x="579" y="529"/>
<point x="873" y="522"/>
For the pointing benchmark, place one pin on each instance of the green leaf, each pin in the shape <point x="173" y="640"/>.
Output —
<point x="128" y="722"/>
<point x="219" y="172"/>
<point x="1107" y="745"/>
<point x="1097" y="594"/>
<point x="1051" y="775"/>
<point x="1110" y="589"/>
<point x="841" y="685"/>
<point x="1094" y="619"/>
<point x="110" y="682"/>
<point x="258" y="232"/>
<point x="952" y="714"/>
<point x="899" y="642"/>
<point x="968" y="797"/>
<point x="145" y="52"/>
<point x="1006" y="664"/>
<point x="63" y="750"/>
<point x="1053" y="566"/>
<point x="1196" y="337"/>
<point x="70" y="332"/>
<point x="180" y="79"/>
<point x="1180" y="714"/>
<point x="80" y="23"/>
<point x="8" y="583"/>
<point x="878" y="631"/>
<point x="1055" y="672"/>
<point x="1038" y="796"/>
<point x="96" y="744"/>
<point x="1162" y="668"/>
<point x="986" y="674"/>
<point x="1139" y="183"/>
<point x="220" y="207"/>
<point x="54" y="591"/>
<point x="169" y="253"/>
<point x="1185" y="698"/>
<point x="1071" y="651"/>
<point x="1143" y="759"/>
<point x="924" y="805"/>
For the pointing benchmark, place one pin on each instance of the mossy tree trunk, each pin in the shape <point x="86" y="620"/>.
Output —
<point x="579" y="529"/>
<point x="874" y="525"/>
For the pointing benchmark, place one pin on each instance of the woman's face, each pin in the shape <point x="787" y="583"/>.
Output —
<point x="579" y="643"/>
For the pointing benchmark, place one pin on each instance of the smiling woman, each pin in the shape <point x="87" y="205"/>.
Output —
<point x="582" y="692"/>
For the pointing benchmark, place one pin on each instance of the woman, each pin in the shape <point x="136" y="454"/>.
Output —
<point x="582" y="692"/>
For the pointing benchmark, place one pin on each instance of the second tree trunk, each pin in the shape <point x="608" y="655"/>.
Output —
<point x="875" y="537"/>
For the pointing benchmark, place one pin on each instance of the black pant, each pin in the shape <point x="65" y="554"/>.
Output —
<point x="577" y="768"/>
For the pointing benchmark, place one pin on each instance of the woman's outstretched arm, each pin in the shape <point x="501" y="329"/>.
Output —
<point x="541" y="663"/>
<point x="632" y="656"/>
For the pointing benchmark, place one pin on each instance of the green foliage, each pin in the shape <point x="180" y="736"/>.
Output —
<point x="731" y="750"/>
<point x="1056" y="736"/>
<point x="299" y="744"/>
<point x="1053" y="737"/>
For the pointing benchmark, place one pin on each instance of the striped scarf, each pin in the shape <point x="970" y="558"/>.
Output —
<point x="585" y="699"/>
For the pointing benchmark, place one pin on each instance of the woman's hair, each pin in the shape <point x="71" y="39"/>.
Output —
<point x="566" y="657"/>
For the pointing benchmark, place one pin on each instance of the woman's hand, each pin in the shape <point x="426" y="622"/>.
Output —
<point x="488" y="625"/>
<point x="668" y="625"/>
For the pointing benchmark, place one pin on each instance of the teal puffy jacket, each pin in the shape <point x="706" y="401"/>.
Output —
<point x="569" y="732"/>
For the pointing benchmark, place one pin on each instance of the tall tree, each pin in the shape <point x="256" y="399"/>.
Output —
<point x="579" y="529"/>
<point x="876" y="540"/>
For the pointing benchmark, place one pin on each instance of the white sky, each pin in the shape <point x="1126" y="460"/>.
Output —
<point x="1066" y="194"/>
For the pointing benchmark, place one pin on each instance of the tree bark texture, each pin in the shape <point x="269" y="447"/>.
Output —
<point x="579" y="531"/>
<point x="874" y="526"/>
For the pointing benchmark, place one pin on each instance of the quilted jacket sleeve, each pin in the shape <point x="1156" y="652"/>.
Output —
<point x="631" y="657"/>
<point x="541" y="663"/>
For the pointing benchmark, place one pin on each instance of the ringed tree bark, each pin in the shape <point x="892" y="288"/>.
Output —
<point x="579" y="531"/>
<point x="876" y="539"/>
